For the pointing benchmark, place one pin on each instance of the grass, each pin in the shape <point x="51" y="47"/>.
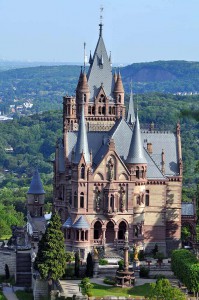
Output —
<point x="2" y="297"/>
<point x="101" y="290"/>
<point x="23" y="295"/>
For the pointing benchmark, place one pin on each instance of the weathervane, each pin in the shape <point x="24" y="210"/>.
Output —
<point x="101" y="18"/>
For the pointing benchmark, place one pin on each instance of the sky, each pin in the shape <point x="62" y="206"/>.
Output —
<point x="134" y="30"/>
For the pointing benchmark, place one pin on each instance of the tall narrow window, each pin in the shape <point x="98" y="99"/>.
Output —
<point x="82" y="200"/>
<point x="109" y="110"/>
<point x="100" y="110"/>
<point x="120" y="98"/>
<point x="82" y="172"/>
<point x="147" y="198"/>
<point x="112" y="201"/>
<point x="89" y="110"/>
<point x="84" y="97"/>
<point x="103" y="110"/>
<point x="93" y="110"/>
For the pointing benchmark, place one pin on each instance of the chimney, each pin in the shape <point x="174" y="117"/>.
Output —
<point x="149" y="148"/>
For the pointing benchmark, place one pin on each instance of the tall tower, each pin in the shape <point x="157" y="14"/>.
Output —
<point x="100" y="91"/>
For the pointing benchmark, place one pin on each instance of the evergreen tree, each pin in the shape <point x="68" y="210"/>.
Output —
<point x="77" y="263"/>
<point x="51" y="257"/>
<point x="89" y="265"/>
<point x="7" y="272"/>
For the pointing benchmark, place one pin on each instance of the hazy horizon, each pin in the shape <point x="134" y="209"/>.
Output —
<point x="134" y="31"/>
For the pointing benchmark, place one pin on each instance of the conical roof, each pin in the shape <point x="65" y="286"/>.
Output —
<point x="119" y="85"/>
<point x="82" y="141"/>
<point x="36" y="187"/>
<point x="130" y="117"/>
<point x="68" y="223"/>
<point x="136" y="151"/>
<point x="81" y="223"/>
<point x="83" y="84"/>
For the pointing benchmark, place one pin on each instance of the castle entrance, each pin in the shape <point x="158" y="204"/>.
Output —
<point x="110" y="234"/>
<point x="122" y="230"/>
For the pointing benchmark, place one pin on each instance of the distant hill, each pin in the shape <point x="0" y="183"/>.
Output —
<point x="45" y="85"/>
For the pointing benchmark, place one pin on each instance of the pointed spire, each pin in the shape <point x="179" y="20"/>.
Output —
<point x="36" y="187"/>
<point x="90" y="59"/>
<point x="130" y="117"/>
<point x="115" y="76"/>
<point x="119" y="85"/>
<point x="82" y="141"/>
<point x="83" y="86"/>
<point x="136" y="151"/>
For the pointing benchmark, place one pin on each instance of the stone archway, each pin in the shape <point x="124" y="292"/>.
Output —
<point x="110" y="233"/>
<point x="97" y="230"/>
<point x="122" y="230"/>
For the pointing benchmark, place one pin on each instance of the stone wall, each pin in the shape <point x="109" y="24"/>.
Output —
<point x="7" y="257"/>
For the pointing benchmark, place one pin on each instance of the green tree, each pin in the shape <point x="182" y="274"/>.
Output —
<point x="51" y="257"/>
<point x="162" y="290"/>
<point x="89" y="265"/>
<point x="77" y="263"/>
<point x="86" y="285"/>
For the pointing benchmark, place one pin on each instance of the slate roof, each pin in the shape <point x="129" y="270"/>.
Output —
<point x="36" y="187"/>
<point x="187" y="209"/>
<point x="136" y="153"/>
<point x="82" y="141"/>
<point x="81" y="223"/>
<point x="99" y="73"/>
<point x="130" y="117"/>
<point x="68" y="223"/>
<point x="121" y="132"/>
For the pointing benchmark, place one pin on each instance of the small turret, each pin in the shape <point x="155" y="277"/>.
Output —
<point x="35" y="196"/>
<point x="119" y="90"/>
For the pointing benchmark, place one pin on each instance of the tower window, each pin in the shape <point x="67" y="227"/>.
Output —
<point x="36" y="198"/>
<point x="93" y="110"/>
<point x="82" y="172"/>
<point x="84" y="97"/>
<point x="103" y="110"/>
<point x="112" y="201"/>
<point x="147" y="198"/>
<point x="82" y="200"/>
<point x="119" y="98"/>
<point x="109" y="110"/>
<point x="100" y="110"/>
<point x="89" y="110"/>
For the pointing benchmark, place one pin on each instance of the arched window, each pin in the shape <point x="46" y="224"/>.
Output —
<point x="82" y="200"/>
<point x="89" y="110"/>
<point x="112" y="201"/>
<point x="103" y="110"/>
<point x="75" y="199"/>
<point x="147" y="198"/>
<point x="93" y="110"/>
<point x="137" y="173"/>
<point x="82" y="235"/>
<point x="102" y="98"/>
<point x="119" y="98"/>
<point x="100" y="110"/>
<point x="84" y="97"/>
<point x="82" y="172"/>
<point x="109" y="110"/>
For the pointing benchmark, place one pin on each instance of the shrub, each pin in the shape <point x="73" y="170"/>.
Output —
<point x="185" y="266"/>
<point x="144" y="272"/>
<point x="121" y="264"/>
<point x="155" y="250"/>
<point x="159" y="256"/>
<point x="109" y="280"/>
<point x="103" y="261"/>
<point x="141" y="255"/>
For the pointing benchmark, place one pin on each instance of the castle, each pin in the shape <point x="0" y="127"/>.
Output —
<point x="109" y="175"/>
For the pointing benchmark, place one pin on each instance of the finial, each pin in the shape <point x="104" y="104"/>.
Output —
<point x="101" y="18"/>
<point x="85" y="57"/>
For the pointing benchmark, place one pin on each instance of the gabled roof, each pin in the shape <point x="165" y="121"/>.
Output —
<point x="82" y="141"/>
<point x="100" y="71"/>
<point x="81" y="223"/>
<point x="68" y="223"/>
<point x="136" y="151"/>
<point x="36" y="187"/>
<point x="121" y="132"/>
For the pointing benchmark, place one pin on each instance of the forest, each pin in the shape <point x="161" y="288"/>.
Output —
<point x="29" y="141"/>
<point x="45" y="86"/>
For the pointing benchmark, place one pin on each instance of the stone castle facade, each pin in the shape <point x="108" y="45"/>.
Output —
<point x="109" y="175"/>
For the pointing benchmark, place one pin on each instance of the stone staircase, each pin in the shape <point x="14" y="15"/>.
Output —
<point x="112" y="253"/>
<point x="23" y="269"/>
